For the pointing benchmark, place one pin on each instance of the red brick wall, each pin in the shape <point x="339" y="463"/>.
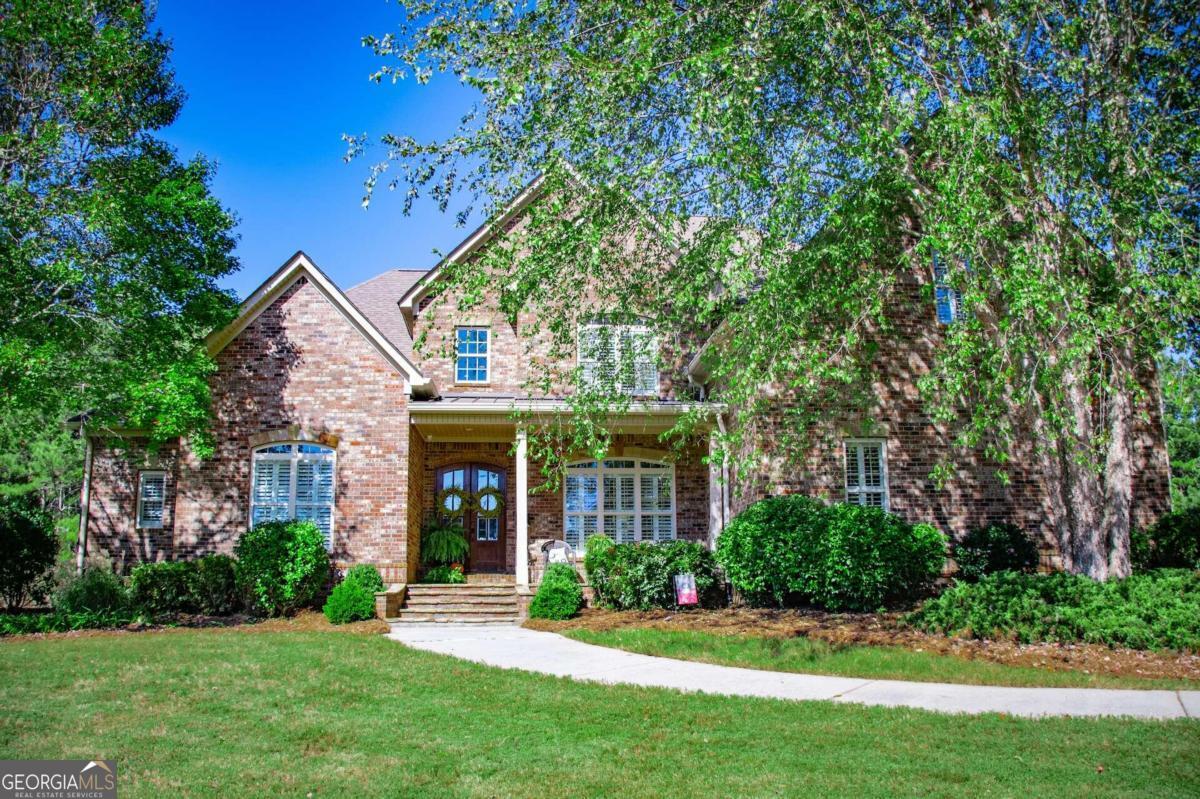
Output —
<point x="112" y="515"/>
<point x="298" y="365"/>
<point x="974" y="496"/>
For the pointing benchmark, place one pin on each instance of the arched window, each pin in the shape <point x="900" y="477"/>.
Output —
<point x="293" y="481"/>
<point x="626" y="499"/>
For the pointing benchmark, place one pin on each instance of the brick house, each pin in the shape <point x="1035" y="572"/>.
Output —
<point x="323" y="409"/>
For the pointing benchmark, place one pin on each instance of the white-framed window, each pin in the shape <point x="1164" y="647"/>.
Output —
<point x="471" y="355"/>
<point x="293" y="481"/>
<point x="152" y="499"/>
<point x="947" y="299"/>
<point x="866" y="473"/>
<point x="627" y="499"/>
<point x="623" y="358"/>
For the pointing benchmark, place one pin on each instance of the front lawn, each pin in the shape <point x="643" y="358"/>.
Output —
<point x="875" y="662"/>
<point x="236" y="712"/>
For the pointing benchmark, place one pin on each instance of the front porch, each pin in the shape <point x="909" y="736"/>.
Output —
<point x="471" y="462"/>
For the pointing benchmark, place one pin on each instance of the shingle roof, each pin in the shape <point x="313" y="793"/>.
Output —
<point x="377" y="298"/>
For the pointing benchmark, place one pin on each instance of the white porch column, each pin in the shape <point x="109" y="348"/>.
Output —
<point x="522" y="508"/>
<point x="716" y="495"/>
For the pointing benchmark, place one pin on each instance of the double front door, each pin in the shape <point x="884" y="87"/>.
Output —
<point x="480" y="506"/>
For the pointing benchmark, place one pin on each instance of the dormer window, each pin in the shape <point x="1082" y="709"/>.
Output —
<point x="947" y="298"/>
<point x="619" y="357"/>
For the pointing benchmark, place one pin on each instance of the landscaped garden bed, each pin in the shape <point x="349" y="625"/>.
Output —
<point x="871" y="645"/>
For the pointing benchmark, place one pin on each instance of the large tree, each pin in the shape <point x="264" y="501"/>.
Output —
<point x="110" y="247"/>
<point x="797" y="156"/>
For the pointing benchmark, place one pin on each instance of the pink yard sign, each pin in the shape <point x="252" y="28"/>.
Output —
<point x="685" y="590"/>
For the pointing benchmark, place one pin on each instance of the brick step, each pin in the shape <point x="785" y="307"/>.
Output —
<point x="412" y="616"/>
<point x="491" y="579"/>
<point x="437" y="589"/>
<point x="473" y="601"/>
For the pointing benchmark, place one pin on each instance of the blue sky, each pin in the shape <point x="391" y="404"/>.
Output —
<point x="271" y="88"/>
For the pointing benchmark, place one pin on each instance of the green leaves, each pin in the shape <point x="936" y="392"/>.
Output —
<point x="789" y="171"/>
<point x="112" y="247"/>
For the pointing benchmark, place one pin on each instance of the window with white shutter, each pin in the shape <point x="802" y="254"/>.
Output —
<point x="626" y="499"/>
<point x="293" y="481"/>
<point x="623" y="358"/>
<point x="152" y="497"/>
<point x="866" y="473"/>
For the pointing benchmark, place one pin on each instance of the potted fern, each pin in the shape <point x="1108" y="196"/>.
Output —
<point x="444" y="544"/>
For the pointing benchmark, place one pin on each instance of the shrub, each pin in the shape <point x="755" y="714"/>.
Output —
<point x="96" y="591"/>
<point x="443" y="543"/>
<point x="1175" y="541"/>
<point x="596" y="557"/>
<point x="212" y="585"/>
<point x="444" y="574"/>
<point x="559" y="595"/>
<point x="995" y="548"/>
<point x="1146" y="611"/>
<point x="58" y="621"/>
<point x="642" y="576"/>
<point x="349" y="601"/>
<point x="160" y="588"/>
<point x="27" y="550"/>
<point x="365" y="575"/>
<point x="793" y="549"/>
<point x="281" y="566"/>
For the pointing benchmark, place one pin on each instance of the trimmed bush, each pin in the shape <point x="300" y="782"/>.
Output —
<point x="365" y="575"/>
<point x="995" y="548"/>
<point x="444" y="574"/>
<point x="796" y="550"/>
<point x="212" y="585"/>
<point x="96" y="591"/>
<point x="1159" y="610"/>
<point x="642" y="576"/>
<point x="596" y="557"/>
<point x="27" y="550"/>
<point x="350" y="601"/>
<point x="161" y="588"/>
<point x="559" y="595"/>
<point x="281" y="566"/>
<point x="1174" y="542"/>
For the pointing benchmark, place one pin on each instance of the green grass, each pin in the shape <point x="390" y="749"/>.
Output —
<point x="874" y="662"/>
<point x="232" y="713"/>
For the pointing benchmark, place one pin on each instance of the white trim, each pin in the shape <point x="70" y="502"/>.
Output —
<point x="483" y="234"/>
<point x="299" y="266"/>
<point x="522" y="511"/>
<point x="637" y="471"/>
<point x="294" y="457"/>
<point x="140" y="520"/>
<point x="860" y="490"/>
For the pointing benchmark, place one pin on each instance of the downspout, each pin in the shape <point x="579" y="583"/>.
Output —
<point x="84" y="501"/>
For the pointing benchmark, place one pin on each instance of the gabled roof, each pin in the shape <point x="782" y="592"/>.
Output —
<point x="377" y="297"/>
<point x="296" y="267"/>
<point x="482" y="235"/>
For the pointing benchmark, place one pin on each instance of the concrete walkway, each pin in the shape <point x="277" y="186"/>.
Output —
<point x="548" y="653"/>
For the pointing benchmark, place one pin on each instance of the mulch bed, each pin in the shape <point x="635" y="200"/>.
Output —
<point x="887" y="629"/>
<point x="305" y="621"/>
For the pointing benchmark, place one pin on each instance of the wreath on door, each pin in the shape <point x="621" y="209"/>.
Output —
<point x="497" y="504"/>
<point x="465" y="502"/>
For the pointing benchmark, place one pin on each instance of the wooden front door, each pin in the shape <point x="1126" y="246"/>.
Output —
<point x="483" y="517"/>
